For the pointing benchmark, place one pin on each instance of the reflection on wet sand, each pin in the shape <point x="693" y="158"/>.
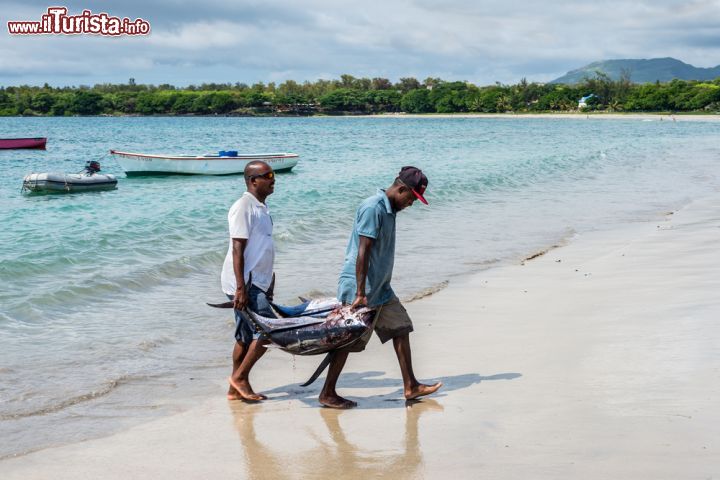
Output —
<point x="260" y="462"/>
<point x="333" y="455"/>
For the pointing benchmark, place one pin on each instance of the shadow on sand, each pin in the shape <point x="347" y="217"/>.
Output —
<point x="375" y="379"/>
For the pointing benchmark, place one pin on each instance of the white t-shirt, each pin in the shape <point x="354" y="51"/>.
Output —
<point x="250" y="219"/>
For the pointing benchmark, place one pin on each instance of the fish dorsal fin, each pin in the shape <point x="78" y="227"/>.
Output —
<point x="290" y="311"/>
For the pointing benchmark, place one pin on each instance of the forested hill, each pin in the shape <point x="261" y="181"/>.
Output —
<point x="641" y="71"/>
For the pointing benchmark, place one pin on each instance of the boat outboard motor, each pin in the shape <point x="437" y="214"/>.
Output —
<point x="92" y="167"/>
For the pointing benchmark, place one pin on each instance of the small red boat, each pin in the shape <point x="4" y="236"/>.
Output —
<point x="7" y="143"/>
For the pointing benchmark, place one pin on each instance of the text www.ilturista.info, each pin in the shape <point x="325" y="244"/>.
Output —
<point x="57" y="22"/>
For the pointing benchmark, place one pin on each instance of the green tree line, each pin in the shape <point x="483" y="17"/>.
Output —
<point x="350" y="95"/>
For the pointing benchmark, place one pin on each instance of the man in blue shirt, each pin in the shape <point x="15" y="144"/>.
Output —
<point x="365" y="280"/>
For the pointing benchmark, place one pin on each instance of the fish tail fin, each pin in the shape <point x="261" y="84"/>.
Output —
<point x="323" y="365"/>
<point x="221" y="305"/>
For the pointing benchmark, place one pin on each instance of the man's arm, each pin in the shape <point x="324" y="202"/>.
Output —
<point x="361" y="269"/>
<point x="238" y="249"/>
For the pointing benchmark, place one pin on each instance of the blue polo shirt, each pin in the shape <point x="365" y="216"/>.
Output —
<point x="374" y="219"/>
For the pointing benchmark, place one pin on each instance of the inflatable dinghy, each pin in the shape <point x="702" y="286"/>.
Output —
<point x="90" y="179"/>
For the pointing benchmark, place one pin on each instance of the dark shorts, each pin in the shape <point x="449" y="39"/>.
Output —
<point x="245" y="331"/>
<point x="391" y="320"/>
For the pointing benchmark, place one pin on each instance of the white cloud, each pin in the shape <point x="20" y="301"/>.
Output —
<point x="203" y="35"/>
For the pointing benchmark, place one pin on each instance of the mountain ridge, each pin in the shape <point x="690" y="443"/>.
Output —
<point x="641" y="71"/>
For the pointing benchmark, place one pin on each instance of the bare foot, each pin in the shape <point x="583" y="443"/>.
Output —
<point x="336" y="401"/>
<point x="232" y="394"/>
<point x="245" y="391"/>
<point x="421" y="389"/>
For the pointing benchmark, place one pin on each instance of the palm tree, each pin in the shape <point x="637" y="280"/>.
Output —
<point x="503" y="103"/>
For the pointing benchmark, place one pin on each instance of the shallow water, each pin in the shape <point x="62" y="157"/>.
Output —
<point x="102" y="300"/>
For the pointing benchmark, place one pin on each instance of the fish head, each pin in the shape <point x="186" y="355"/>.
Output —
<point x="364" y="315"/>
<point x="354" y="322"/>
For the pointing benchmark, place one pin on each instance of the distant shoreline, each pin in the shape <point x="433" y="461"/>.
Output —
<point x="595" y="115"/>
<point x="661" y="116"/>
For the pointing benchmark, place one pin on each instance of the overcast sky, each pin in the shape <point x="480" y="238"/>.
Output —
<point x="275" y="40"/>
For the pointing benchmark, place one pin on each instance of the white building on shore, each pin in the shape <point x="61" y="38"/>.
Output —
<point x="582" y="103"/>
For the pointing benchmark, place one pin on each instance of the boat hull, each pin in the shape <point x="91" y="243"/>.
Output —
<point x="143" y="164"/>
<point x="13" y="143"/>
<point x="68" y="182"/>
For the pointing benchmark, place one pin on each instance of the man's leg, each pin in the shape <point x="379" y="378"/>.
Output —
<point x="238" y="354"/>
<point x="412" y="388"/>
<point x="239" y="351"/>
<point x="394" y="322"/>
<point x="328" y="395"/>
<point x="240" y="379"/>
<point x="243" y="342"/>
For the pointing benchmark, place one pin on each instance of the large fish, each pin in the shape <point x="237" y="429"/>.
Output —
<point x="311" y="334"/>
<point x="313" y="327"/>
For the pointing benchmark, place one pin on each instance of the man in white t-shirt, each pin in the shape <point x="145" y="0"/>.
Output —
<point x="250" y="255"/>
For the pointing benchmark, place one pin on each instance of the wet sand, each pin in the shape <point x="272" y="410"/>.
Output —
<point x="596" y="360"/>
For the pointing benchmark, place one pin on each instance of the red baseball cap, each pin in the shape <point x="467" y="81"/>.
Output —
<point x="415" y="180"/>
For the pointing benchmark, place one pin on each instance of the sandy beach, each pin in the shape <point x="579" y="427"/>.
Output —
<point x="596" y="360"/>
<point x="709" y="117"/>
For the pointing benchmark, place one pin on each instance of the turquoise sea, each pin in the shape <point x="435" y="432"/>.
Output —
<point x="103" y="321"/>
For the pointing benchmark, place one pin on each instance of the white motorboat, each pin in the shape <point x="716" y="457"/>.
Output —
<point x="224" y="163"/>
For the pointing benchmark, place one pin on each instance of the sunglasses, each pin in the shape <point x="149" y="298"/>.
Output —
<point x="266" y="176"/>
